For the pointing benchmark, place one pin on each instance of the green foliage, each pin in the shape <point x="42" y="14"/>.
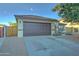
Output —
<point x="12" y="24"/>
<point x="68" y="11"/>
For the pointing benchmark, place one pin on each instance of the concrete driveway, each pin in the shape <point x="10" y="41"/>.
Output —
<point x="50" y="46"/>
<point x="39" y="46"/>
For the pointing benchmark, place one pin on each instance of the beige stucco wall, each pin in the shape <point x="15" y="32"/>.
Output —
<point x="54" y="27"/>
<point x="35" y="20"/>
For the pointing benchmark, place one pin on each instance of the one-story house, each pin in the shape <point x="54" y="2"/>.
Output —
<point x="32" y="25"/>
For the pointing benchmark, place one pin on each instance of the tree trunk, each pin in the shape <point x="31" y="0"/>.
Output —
<point x="72" y="27"/>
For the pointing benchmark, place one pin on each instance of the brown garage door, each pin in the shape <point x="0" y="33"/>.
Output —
<point x="34" y="29"/>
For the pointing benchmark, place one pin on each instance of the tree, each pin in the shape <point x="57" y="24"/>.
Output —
<point x="12" y="24"/>
<point x="68" y="11"/>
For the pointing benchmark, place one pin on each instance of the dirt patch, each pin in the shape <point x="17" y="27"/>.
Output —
<point x="74" y="37"/>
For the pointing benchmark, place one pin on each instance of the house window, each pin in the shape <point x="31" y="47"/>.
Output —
<point x="75" y="29"/>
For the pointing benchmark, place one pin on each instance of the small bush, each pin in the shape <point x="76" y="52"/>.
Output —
<point x="56" y="34"/>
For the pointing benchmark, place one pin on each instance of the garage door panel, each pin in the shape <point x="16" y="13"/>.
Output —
<point x="34" y="29"/>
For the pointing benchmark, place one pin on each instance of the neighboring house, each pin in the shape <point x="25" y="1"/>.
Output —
<point x="8" y="31"/>
<point x="31" y="25"/>
<point x="70" y="28"/>
<point x="1" y="30"/>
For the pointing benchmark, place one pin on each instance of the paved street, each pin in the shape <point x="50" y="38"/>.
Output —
<point x="39" y="46"/>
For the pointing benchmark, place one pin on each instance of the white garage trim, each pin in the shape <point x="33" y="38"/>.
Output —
<point x="20" y="28"/>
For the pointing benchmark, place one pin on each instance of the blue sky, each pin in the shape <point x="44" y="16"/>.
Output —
<point x="7" y="11"/>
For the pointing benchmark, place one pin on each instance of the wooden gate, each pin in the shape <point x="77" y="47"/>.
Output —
<point x="11" y="31"/>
